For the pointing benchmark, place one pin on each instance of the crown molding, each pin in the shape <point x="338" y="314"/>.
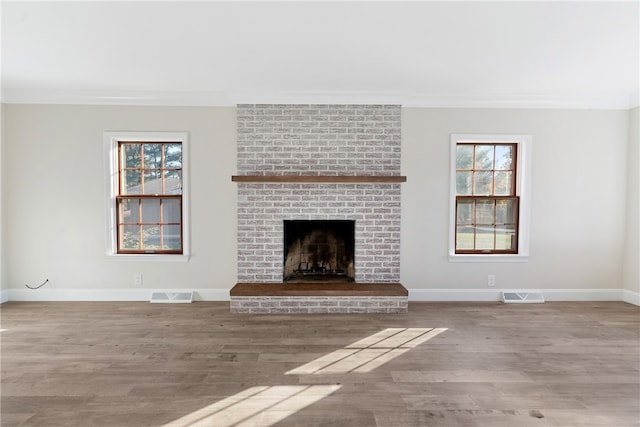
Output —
<point x="232" y="98"/>
<point x="623" y="102"/>
<point x="97" y="97"/>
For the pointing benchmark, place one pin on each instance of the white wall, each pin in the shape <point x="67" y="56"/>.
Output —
<point x="578" y="206"/>
<point x="4" y="292"/>
<point x="632" y="247"/>
<point x="55" y="203"/>
<point x="56" y="207"/>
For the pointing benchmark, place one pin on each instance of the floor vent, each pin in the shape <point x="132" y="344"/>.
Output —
<point x="184" y="297"/>
<point x="522" y="297"/>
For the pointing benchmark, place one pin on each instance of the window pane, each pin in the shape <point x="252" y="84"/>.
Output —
<point x="173" y="156"/>
<point x="150" y="211"/>
<point x="484" y="212"/>
<point x="484" y="237"/>
<point x="465" y="212"/>
<point x="505" y="238"/>
<point x="150" y="237"/>
<point x="130" y="211"/>
<point x="152" y="181"/>
<point x="152" y="156"/>
<point x="483" y="183"/>
<point x="484" y="157"/>
<point x="505" y="211"/>
<point x="173" y="182"/>
<point x="464" y="157"/>
<point x="464" y="238"/>
<point x="131" y="182"/>
<point x="131" y="155"/>
<point x="504" y="157"/>
<point x="171" y="237"/>
<point x="503" y="184"/>
<point x="170" y="211"/>
<point x="463" y="183"/>
<point x="129" y="237"/>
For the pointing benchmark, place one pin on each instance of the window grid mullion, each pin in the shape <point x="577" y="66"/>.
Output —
<point x="473" y="173"/>
<point x="161" y="224"/>
<point x="142" y="178"/>
<point x="162" y="163"/>
<point x="493" y="173"/>
<point x="140" y="233"/>
<point x="495" y="222"/>
<point x="475" y="224"/>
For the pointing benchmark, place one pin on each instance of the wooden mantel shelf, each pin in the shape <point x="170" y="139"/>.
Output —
<point x="389" y="179"/>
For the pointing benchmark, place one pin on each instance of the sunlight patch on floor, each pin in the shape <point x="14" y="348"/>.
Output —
<point x="260" y="406"/>
<point x="264" y="406"/>
<point x="370" y="352"/>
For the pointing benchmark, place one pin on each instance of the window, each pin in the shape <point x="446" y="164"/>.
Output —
<point x="486" y="201"/>
<point x="487" y="197"/>
<point x="147" y="194"/>
<point x="149" y="200"/>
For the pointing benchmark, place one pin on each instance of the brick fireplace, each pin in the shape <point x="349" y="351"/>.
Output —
<point x="323" y="163"/>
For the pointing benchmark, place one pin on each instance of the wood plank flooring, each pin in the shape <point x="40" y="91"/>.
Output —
<point x="140" y="364"/>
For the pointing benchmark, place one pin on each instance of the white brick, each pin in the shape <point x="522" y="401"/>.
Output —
<point x="318" y="139"/>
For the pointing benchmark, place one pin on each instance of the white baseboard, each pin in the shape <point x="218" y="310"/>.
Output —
<point x="442" y="295"/>
<point x="582" y="294"/>
<point x="434" y="295"/>
<point x="631" y="297"/>
<point x="211" y="295"/>
<point x="44" y="294"/>
<point x="484" y="295"/>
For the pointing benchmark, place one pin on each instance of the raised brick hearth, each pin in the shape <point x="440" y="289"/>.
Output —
<point x="309" y="298"/>
<point x="318" y="141"/>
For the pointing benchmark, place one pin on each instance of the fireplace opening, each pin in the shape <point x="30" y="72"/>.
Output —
<point x="319" y="250"/>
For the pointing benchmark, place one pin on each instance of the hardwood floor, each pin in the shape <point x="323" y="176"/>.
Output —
<point x="141" y="364"/>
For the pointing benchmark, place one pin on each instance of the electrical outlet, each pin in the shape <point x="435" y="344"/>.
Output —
<point x="491" y="280"/>
<point x="137" y="279"/>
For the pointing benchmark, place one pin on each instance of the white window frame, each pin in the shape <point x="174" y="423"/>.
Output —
<point x="111" y="140"/>
<point x="523" y="191"/>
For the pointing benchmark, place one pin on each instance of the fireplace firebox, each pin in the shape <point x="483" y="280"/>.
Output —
<point x="319" y="250"/>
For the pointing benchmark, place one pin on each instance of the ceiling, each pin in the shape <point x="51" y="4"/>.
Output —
<point x="579" y="54"/>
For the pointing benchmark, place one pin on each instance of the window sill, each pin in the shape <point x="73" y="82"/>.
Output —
<point x="148" y="257"/>
<point x="488" y="258"/>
